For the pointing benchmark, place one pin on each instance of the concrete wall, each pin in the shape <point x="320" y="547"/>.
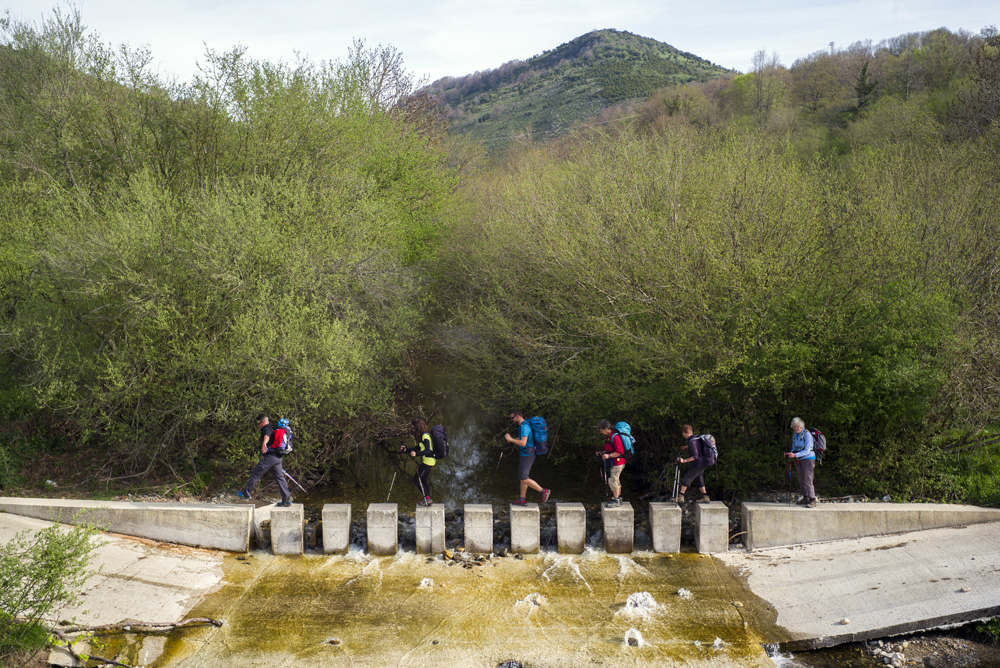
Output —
<point x="336" y="528"/>
<point x="383" y="528"/>
<point x="525" y="535"/>
<point x="571" y="527"/>
<point x="711" y="527"/>
<point x="776" y="525"/>
<point x="618" y="523"/>
<point x="430" y="529"/>
<point x="478" y="528"/>
<point x="209" y="525"/>
<point x="286" y="529"/>
<point x="665" y="522"/>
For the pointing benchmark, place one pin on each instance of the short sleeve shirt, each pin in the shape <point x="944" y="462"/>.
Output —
<point x="267" y="430"/>
<point x="525" y="430"/>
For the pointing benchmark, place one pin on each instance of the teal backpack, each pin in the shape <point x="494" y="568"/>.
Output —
<point x="539" y="434"/>
<point x="624" y="432"/>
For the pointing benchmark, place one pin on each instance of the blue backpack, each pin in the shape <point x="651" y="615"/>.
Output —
<point x="539" y="434"/>
<point x="624" y="432"/>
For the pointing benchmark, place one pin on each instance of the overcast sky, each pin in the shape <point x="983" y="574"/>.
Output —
<point x="440" y="38"/>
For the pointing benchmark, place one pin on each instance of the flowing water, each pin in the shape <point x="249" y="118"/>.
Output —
<point x="545" y="610"/>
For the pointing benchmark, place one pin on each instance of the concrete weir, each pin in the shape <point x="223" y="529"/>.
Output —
<point x="209" y="525"/>
<point x="776" y="525"/>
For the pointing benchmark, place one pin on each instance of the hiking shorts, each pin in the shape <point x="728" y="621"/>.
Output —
<point x="614" y="480"/>
<point x="524" y="466"/>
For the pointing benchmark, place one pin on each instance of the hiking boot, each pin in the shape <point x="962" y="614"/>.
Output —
<point x="801" y="502"/>
<point x="616" y="502"/>
<point x="678" y="499"/>
<point x="284" y="504"/>
<point x="545" y="495"/>
<point x="425" y="502"/>
<point x="243" y="495"/>
<point x="520" y="502"/>
<point x="704" y="499"/>
<point x="812" y="503"/>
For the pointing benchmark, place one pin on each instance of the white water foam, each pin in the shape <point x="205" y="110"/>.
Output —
<point x="627" y="566"/>
<point x="781" y="660"/>
<point x="426" y="583"/>
<point x="370" y="569"/>
<point x="531" y="602"/>
<point x="640" y="604"/>
<point x="684" y="593"/>
<point x="633" y="638"/>
<point x="565" y="564"/>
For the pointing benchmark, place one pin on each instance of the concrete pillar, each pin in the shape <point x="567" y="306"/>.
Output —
<point x="286" y="529"/>
<point x="571" y="527"/>
<point x="430" y="529"/>
<point x="665" y="521"/>
<point x="383" y="528"/>
<point x="619" y="528"/>
<point x="525" y="535"/>
<point x="336" y="527"/>
<point x="478" y="528"/>
<point x="711" y="527"/>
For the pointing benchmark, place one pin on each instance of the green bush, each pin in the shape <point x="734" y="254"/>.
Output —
<point x="39" y="573"/>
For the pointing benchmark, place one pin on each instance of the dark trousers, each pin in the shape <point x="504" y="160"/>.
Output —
<point x="269" y="462"/>
<point x="805" y="469"/>
<point x="422" y="479"/>
<point x="694" y="474"/>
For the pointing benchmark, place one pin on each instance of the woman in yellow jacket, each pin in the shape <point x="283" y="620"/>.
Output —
<point x="425" y="463"/>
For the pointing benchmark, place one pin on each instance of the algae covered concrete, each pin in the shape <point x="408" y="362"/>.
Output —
<point x="831" y="593"/>
<point x="546" y="610"/>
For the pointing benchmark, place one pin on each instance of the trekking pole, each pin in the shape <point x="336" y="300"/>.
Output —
<point x="493" y="481"/>
<point x="390" y="486"/>
<point x="788" y="482"/>
<point x="604" y="475"/>
<point x="677" y="479"/>
<point x="295" y="481"/>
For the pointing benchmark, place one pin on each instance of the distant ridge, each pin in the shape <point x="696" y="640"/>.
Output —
<point x="549" y="93"/>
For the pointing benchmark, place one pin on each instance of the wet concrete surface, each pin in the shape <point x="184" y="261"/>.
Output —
<point x="543" y="610"/>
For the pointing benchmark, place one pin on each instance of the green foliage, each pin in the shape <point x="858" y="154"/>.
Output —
<point x="40" y="573"/>
<point x="990" y="628"/>
<point x="716" y="280"/>
<point x="253" y="241"/>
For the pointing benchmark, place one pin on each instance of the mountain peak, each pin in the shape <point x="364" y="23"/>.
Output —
<point x="546" y="94"/>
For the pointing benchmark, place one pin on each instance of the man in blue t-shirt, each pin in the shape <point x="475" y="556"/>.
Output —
<point x="525" y="442"/>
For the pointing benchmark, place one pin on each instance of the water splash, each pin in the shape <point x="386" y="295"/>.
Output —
<point x="531" y="602"/>
<point x="781" y="659"/>
<point x="626" y="567"/>
<point x="685" y="593"/>
<point x="370" y="569"/>
<point x="634" y="639"/>
<point x="718" y="644"/>
<point x="640" y="604"/>
<point x="561" y="564"/>
<point x="426" y="583"/>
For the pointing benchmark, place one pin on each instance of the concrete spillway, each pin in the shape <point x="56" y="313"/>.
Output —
<point x="880" y="570"/>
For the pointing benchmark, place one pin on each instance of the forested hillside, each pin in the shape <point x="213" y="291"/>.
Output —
<point x="546" y="95"/>
<point x="815" y="240"/>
